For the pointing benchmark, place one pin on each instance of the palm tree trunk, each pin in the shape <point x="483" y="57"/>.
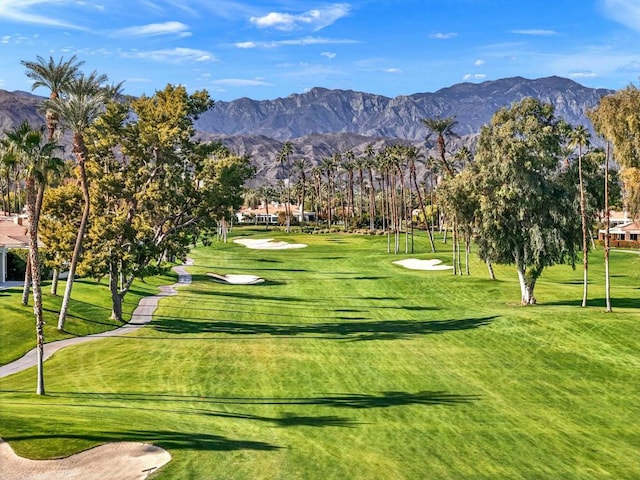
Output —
<point x="81" y="152"/>
<point x="372" y="202"/>
<point x="585" y="241"/>
<point x="27" y="282"/>
<point x="607" y="218"/>
<point x="34" y="263"/>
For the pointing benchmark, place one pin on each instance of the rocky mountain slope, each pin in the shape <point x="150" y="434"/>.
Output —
<point x="345" y="111"/>
<point x="322" y="122"/>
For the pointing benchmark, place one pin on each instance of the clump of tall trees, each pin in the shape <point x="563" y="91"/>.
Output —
<point x="142" y="186"/>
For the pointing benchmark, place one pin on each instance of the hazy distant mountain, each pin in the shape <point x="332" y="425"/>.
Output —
<point x="323" y="122"/>
<point x="345" y="111"/>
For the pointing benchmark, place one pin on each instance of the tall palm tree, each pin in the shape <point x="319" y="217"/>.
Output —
<point x="579" y="138"/>
<point x="412" y="156"/>
<point x="284" y="161"/>
<point x="77" y="110"/>
<point x="55" y="77"/>
<point x="267" y="193"/>
<point x="9" y="164"/>
<point x="370" y="164"/>
<point x="33" y="153"/>
<point x="441" y="128"/>
<point x="349" y="166"/>
<point x="300" y="166"/>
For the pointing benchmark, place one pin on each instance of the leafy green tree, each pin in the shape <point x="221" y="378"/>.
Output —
<point x="58" y="227"/>
<point x="526" y="214"/>
<point x="154" y="187"/>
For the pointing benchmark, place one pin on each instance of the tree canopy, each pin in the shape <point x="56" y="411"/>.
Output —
<point x="527" y="214"/>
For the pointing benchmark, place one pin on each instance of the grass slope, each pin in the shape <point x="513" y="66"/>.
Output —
<point x="342" y="365"/>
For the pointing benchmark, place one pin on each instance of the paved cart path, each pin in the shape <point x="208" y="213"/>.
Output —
<point x="141" y="316"/>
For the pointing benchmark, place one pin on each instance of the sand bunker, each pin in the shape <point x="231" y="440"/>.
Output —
<point x="267" y="244"/>
<point x="236" y="279"/>
<point x="415" y="264"/>
<point x="121" y="460"/>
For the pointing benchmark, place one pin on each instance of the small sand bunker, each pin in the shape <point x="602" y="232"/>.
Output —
<point x="415" y="264"/>
<point x="121" y="460"/>
<point x="267" y="244"/>
<point x="236" y="279"/>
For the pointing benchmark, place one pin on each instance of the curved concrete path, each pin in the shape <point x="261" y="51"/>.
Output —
<point x="141" y="316"/>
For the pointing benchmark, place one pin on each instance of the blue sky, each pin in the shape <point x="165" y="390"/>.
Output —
<point x="269" y="49"/>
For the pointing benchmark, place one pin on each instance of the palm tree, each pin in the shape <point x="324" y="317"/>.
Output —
<point x="301" y="167"/>
<point x="579" y="138"/>
<point x="412" y="156"/>
<point x="328" y="166"/>
<point x="55" y="77"/>
<point x="349" y="165"/>
<point x="28" y="145"/>
<point x="283" y="160"/>
<point x="267" y="193"/>
<point x="371" y="163"/>
<point x="442" y="128"/>
<point x="77" y="109"/>
<point x="9" y="164"/>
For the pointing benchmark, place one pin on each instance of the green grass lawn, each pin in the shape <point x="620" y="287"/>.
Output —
<point x="344" y="366"/>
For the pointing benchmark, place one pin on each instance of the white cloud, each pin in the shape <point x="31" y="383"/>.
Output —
<point x="294" y="42"/>
<point x="155" y="29"/>
<point x="582" y="74"/>
<point x="329" y="55"/>
<point x="5" y="39"/>
<point x="474" y="76"/>
<point x="242" y="82"/>
<point x="535" y="32"/>
<point x="245" y="45"/>
<point x="626" y="12"/>
<point x="443" y="36"/>
<point x="315" y="19"/>
<point x="478" y="63"/>
<point x="174" y="55"/>
<point x="392" y="70"/>
<point x="21" y="11"/>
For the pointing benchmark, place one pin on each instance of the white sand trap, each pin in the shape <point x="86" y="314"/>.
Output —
<point x="415" y="264"/>
<point x="267" y="244"/>
<point x="121" y="460"/>
<point x="236" y="279"/>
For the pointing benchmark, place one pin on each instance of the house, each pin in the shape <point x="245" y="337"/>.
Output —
<point x="259" y="214"/>
<point x="622" y="228"/>
<point x="13" y="234"/>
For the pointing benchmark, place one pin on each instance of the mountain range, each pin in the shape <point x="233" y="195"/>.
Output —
<point x="322" y="122"/>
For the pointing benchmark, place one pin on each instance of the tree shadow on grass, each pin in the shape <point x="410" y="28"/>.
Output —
<point x="598" y="302"/>
<point x="386" y="399"/>
<point x="292" y="420"/>
<point x="162" y="438"/>
<point x="356" y="331"/>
